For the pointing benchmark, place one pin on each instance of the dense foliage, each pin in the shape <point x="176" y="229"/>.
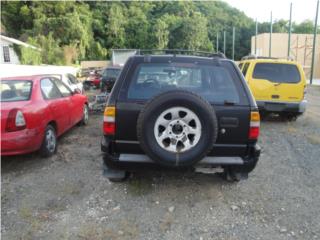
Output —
<point x="68" y="31"/>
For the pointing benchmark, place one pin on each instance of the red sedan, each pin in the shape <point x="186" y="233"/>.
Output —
<point x="35" y="110"/>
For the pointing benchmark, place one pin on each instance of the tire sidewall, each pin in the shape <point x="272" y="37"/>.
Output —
<point x="84" y="121"/>
<point x="44" y="150"/>
<point x="187" y="100"/>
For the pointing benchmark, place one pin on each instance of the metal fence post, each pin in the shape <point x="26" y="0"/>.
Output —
<point x="270" y="38"/>
<point x="224" y="42"/>
<point x="255" y="40"/>
<point x="217" y="42"/>
<point x="314" y="42"/>
<point x="233" y="41"/>
<point x="290" y="26"/>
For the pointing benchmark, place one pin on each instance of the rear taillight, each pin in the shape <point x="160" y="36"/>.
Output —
<point x="109" y="121"/>
<point x="254" y="126"/>
<point x="15" y="121"/>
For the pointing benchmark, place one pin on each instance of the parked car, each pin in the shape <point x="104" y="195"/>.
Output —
<point x="109" y="76"/>
<point x="35" y="110"/>
<point x="278" y="85"/>
<point x="94" y="80"/>
<point x="71" y="81"/>
<point x="180" y="111"/>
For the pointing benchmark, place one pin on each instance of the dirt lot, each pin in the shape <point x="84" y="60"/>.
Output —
<point x="66" y="196"/>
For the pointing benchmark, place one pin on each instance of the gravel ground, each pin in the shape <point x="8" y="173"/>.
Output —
<point x="66" y="196"/>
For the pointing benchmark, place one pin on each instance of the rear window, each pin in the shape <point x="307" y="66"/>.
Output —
<point x="277" y="72"/>
<point x="214" y="83"/>
<point x="15" y="90"/>
<point x="111" y="73"/>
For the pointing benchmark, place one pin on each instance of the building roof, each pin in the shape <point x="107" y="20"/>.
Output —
<point x="18" y="42"/>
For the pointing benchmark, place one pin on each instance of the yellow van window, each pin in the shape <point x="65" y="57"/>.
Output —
<point x="277" y="72"/>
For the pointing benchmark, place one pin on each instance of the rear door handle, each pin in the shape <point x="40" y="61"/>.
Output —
<point x="229" y="122"/>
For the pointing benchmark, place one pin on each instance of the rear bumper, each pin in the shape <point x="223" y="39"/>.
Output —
<point x="273" y="106"/>
<point x="20" y="142"/>
<point x="139" y="161"/>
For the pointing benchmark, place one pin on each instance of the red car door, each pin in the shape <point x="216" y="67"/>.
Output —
<point x="78" y="103"/>
<point x="57" y="103"/>
<point x="75" y="110"/>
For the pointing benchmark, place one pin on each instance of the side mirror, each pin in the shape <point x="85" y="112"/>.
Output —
<point x="77" y="91"/>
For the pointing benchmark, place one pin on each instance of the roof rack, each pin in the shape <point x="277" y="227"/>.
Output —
<point x="262" y="57"/>
<point x="179" y="52"/>
<point x="256" y="57"/>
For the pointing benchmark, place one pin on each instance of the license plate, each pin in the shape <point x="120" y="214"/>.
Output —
<point x="274" y="106"/>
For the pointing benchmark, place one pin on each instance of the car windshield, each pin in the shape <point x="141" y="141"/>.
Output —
<point x="277" y="72"/>
<point x="214" y="83"/>
<point x="111" y="73"/>
<point x="15" y="90"/>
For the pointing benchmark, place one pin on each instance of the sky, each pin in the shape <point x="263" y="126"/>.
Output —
<point x="260" y="9"/>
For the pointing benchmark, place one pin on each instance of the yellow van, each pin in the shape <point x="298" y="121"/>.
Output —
<point x="278" y="85"/>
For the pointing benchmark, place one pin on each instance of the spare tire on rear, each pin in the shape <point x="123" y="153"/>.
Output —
<point x="177" y="128"/>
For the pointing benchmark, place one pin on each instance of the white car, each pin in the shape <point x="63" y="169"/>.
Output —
<point x="72" y="82"/>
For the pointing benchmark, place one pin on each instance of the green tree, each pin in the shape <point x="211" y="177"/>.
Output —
<point x="161" y="33"/>
<point x="192" y="33"/>
<point x="304" y="27"/>
<point x="29" y="55"/>
<point x="115" y="26"/>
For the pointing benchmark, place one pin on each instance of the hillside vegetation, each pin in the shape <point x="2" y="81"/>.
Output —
<point x="71" y="31"/>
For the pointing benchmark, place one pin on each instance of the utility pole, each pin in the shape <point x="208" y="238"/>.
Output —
<point x="224" y="42"/>
<point x="270" y="38"/>
<point x="233" y="41"/>
<point x="314" y="42"/>
<point x="217" y="42"/>
<point x="289" y="35"/>
<point x="255" y="39"/>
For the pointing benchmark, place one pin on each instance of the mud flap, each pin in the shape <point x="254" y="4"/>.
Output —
<point x="113" y="174"/>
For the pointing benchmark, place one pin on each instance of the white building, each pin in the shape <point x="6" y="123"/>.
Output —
<point x="7" y="52"/>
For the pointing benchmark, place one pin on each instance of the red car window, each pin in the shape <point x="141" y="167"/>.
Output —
<point x="49" y="89"/>
<point x="65" y="91"/>
<point x="15" y="90"/>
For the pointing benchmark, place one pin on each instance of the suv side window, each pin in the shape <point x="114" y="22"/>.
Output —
<point x="240" y="66"/>
<point x="65" y="91"/>
<point x="245" y="69"/>
<point x="49" y="89"/>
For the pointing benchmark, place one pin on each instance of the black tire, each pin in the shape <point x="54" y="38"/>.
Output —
<point x="148" y="116"/>
<point x="46" y="150"/>
<point x="85" y="119"/>
<point x="86" y="86"/>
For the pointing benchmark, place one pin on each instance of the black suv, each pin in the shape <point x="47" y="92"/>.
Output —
<point x="109" y="76"/>
<point x="180" y="111"/>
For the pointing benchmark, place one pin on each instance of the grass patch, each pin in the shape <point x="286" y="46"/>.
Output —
<point x="130" y="230"/>
<point x="139" y="187"/>
<point x="127" y="231"/>
<point x="70" y="189"/>
<point x="313" y="139"/>
<point x="291" y="129"/>
<point x="89" y="232"/>
<point x="166" y="222"/>
<point x="34" y="222"/>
